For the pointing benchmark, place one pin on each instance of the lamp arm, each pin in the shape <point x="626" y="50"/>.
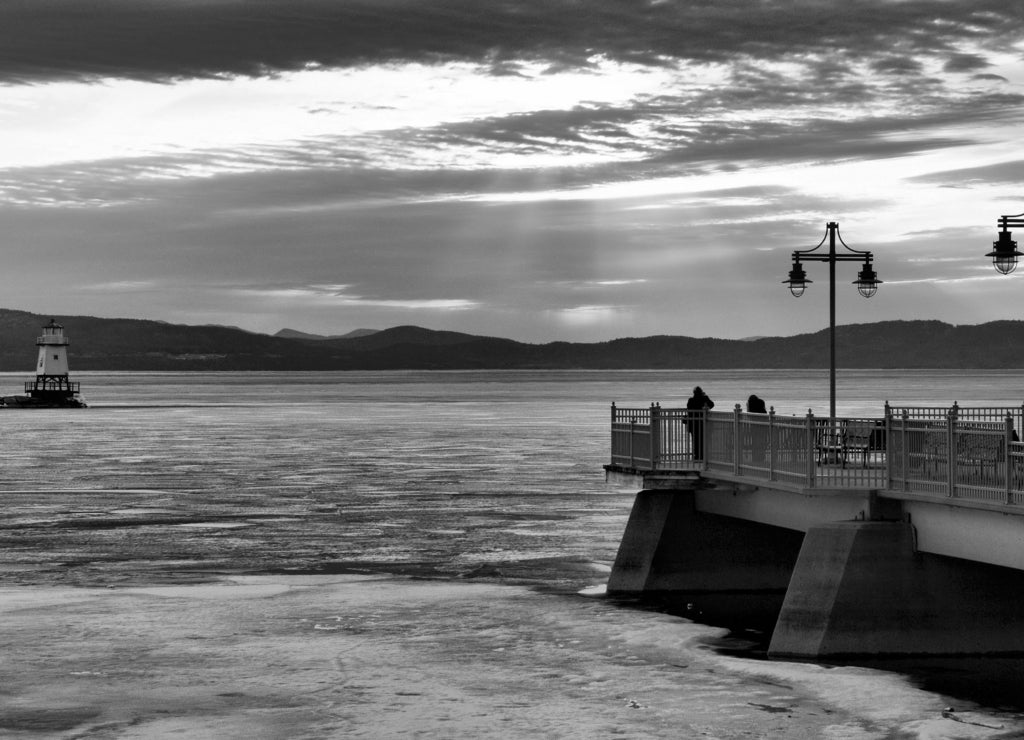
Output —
<point x="800" y="253"/>
<point x="855" y="254"/>
<point x="859" y="252"/>
<point x="1014" y="221"/>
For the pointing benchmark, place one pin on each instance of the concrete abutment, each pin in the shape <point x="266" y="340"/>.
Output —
<point x="671" y="546"/>
<point x="861" y="588"/>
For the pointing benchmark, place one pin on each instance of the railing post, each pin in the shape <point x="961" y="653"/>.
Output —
<point x="906" y="454"/>
<point x="655" y="435"/>
<point x="771" y="443"/>
<point x="887" y="428"/>
<point x="811" y="470"/>
<point x="736" y="443"/>
<point x="613" y="432"/>
<point x="1007" y="444"/>
<point x="951" y="441"/>
<point x="632" y="433"/>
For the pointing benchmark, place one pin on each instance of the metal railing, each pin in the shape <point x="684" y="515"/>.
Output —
<point x="979" y="460"/>
<point x="816" y="452"/>
<point x="811" y="451"/>
<point x="956" y="452"/>
<point x="52" y="383"/>
<point x="655" y="438"/>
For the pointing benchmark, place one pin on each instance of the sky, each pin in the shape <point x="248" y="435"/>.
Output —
<point x="542" y="170"/>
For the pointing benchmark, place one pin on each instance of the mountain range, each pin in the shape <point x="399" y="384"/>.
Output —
<point x="136" y="344"/>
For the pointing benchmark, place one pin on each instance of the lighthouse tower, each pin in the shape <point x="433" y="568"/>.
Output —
<point x="51" y="385"/>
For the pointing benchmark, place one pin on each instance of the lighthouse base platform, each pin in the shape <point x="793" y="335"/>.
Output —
<point x="42" y="402"/>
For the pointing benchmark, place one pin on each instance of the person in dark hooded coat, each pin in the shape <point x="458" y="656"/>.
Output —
<point x="699" y="402"/>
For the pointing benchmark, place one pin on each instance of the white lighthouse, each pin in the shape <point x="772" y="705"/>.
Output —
<point x="52" y="386"/>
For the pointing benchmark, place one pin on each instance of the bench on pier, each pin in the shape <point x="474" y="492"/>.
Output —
<point x="840" y="445"/>
<point x="861" y="437"/>
<point x="981" y="449"/>
<point x="981" y="452"/>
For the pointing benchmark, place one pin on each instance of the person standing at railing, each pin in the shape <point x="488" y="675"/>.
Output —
<point x="754" y="438"/>
<point x="699" y="402"/>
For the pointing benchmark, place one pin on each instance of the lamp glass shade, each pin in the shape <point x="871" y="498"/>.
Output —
<point x="867" y="290"/>
<point x="1005" y="265"/>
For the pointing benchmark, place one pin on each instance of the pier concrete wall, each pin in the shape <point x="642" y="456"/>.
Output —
<point x="979" y="535"/>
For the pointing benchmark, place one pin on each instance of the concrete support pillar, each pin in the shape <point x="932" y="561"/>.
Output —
<point x="859" y="588"/>
<point x="670" y="546"/>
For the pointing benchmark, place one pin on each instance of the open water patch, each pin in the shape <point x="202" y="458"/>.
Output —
<point x="748" y="617"/>
<point x="218" y="525"/>
<point x="986" y="680"/>
<point x="748" y="620"/>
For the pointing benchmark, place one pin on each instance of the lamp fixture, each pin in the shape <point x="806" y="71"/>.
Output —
<point x="1004" y="252"/>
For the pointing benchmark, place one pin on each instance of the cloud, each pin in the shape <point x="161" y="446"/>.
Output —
<point x="967" y="63"/>
<point x="122" y="286"/>
<point x="901" y="65"/>
<point x="611" y="91"/>
<point x="1011" y="172"/>
<point x="175" y="39"/>
<point x="989" y="78"/>
<point x="342" y="296"/>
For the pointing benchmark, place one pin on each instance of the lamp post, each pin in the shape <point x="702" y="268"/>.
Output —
<point x="867" y="283"/>
<point x="1004" y="252"/>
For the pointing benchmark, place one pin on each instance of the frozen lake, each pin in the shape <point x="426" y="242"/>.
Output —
<point x="462" y="512"/>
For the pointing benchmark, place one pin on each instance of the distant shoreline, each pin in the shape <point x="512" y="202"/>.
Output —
<point x="133" y="345"/>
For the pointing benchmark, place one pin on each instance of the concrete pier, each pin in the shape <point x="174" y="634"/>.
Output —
<point x="897" y="535"/>
<point x="852" y="587"/>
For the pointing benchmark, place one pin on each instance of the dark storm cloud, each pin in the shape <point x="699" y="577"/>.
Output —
<point x="965" y="63"/>
<point x="167" y="39"/>
<point x="897" y="65"/>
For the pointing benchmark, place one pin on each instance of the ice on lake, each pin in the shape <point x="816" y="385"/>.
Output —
<point x="169" y="552"/>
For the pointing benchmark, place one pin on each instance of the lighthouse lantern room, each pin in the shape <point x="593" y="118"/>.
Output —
<point x="52" y="383"/>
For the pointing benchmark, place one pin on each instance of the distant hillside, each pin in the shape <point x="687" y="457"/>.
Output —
<point x="134" y="344"/>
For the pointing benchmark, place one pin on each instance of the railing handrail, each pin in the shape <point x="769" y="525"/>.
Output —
<point x="963" y="413"/>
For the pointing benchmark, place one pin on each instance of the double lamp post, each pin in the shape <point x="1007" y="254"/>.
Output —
<point x="867" y="283"/>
